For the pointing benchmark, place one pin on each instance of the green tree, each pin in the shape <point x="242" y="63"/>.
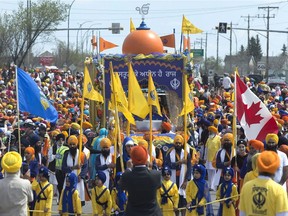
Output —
<point x="23" y="27"/>
<point x="255" y="49"/>
<point x="284" y="50"/>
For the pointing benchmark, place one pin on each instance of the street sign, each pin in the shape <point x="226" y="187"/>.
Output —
<point x="261" y="66"/>
<point x="222" y="27"/>
<point x="197" y="52"/>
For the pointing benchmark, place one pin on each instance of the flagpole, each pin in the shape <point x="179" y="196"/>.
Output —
<point x="81" y="129"/>
<point x="234" y="122"/>
<point x="18" y="111"/>
<point x="129" y="104"/>
<point x="150" y="125"/>
<point x="150" y="134"/>
<point x="116" y="119"/>
<point x="185" y="119"/>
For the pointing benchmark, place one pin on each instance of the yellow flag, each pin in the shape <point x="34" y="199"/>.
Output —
<point x="137" y="102"/>
<point x="152" y="95"/>
<point x="188" y="103"/>
<point x="117" y="89"/>
<point x="88" y="90"/>
<point x="188" y="27"/>
<point x="132" y="27"/>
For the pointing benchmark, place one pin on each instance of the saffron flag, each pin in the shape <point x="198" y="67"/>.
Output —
<point x="188" y="27"/>
<point x="168" y="40"/>
<point x="104" y="45"/>
<point x="117" y="96"/>
<point x="93" y="42"/>
<point x="253" y="115"/>
<point x="88" y="90"/>
<point x="152" y="95"/>
<point x="132" y="27"/>
<point x="188" y="102"/>
<point x="137" y="102"/>
<point x="186" y="43"/>
<point x="32" y="99"/>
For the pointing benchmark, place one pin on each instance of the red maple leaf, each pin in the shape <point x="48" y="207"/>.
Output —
<point x="251" y="115"/>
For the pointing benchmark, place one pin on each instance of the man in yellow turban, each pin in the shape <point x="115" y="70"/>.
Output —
<point x="176" y="161"/>
<point x="213" y="144"/>
<point x="281" y="175"/>
<point x="223" y="158"/>
<point x="104" y="161"/>
<point x="15" y="192"/>
<point x="70" y="164"/>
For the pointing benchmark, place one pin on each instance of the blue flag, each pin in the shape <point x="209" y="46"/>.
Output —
<point x="32" y="99"/>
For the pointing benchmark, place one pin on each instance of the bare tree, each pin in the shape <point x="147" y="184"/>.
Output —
<point x="23" y="27"/>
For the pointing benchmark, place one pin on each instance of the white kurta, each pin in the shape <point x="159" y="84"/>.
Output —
<point x="80" y="184"/>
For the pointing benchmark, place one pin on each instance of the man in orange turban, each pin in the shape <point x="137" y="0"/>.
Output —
<point x="254" y="147"/>
<point x="264" y="186"/>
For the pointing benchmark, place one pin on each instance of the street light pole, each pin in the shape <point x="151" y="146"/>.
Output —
<point x="80" y="26"/>
<point x="68" y="32"/>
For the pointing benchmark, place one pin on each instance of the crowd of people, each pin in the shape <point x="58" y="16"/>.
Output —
<point x="41" y="160"/>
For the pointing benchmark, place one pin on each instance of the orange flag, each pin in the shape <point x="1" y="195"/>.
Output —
<point x="93" y="42"/>
<point x="186" y="43"/>
<point x="168" y="40"/>
<point x="105" y="45"/>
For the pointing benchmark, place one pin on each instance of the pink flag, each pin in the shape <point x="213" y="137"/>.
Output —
<point x="253" y="115"/>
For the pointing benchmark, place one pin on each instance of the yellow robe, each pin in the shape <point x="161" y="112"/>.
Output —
<point x="48" y="193"/>
<point x="106" y="197"/>
<point x="167" y="208"/>
<point x="76" y="203"/>
<point x="191" y="192"/>
<point x="228" y="211"/>
<point x="250" y="176"/>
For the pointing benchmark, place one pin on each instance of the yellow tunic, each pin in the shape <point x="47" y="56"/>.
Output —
<point x="231" y="210"/>
<point x="76" y="203"/>
<point x="250" y="176"/>
<point x="213" y="145"/>
<point x="191" y="192"/>
<point x="48" y="194"/>
<point x="168" y="207"/>
<point x="106" y="197"/>
<point x="263" y="196"/>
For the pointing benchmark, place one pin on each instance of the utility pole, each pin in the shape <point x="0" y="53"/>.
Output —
<point x="230" y="47"/>
<point x="248" y="28"/>
<point x="267" y="46"/>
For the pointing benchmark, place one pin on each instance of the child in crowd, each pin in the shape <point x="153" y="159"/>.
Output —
<point x="69" y="200"/>
<point x="195" y="192"/>
<point x="44" y="193"/>
<point x="118" y="196"/>
<point x="101" y="198"/>
<point x="168" y="195"/>
<point x="225" y="190"/>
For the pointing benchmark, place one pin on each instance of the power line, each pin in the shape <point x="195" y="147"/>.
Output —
<point x="248" y="29"/>
<point x="268" y="17"/>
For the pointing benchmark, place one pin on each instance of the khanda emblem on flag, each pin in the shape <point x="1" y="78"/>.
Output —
<point x="175" y="83"/>
<point x="89" y="87"/>
<point x="44" y="101"/>
<point x="190" y="95"/>
<point x="152" y="95"/>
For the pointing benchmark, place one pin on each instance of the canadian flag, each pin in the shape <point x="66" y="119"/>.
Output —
<point x="253" y="115"/>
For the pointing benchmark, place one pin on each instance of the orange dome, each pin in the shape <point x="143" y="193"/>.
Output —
<point x="142" y="41"/>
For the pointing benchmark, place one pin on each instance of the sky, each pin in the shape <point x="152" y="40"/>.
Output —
<point x="165" y="15"/>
